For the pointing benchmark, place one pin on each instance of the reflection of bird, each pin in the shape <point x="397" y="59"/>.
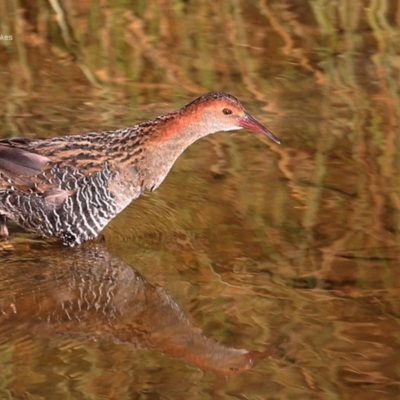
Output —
<point x="70" y="187"/>
<point x="93" y="295"/>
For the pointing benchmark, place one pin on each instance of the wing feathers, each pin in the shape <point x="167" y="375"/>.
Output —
<point x="56" y="197"/>
<point x="15" y="162"/>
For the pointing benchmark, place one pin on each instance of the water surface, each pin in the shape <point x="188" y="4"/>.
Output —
<point x="246" y="243"/>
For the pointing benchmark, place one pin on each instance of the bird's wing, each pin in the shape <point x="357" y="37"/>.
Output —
<point x="28" y="171"/>
<point x="18" y="165"/>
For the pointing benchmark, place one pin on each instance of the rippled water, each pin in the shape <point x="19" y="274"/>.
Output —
<point x="255" y="271"/>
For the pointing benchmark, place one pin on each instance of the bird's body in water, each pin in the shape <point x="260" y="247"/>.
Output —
<point x="70" y="187"/>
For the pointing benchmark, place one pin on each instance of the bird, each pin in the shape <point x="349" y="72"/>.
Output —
<point x="70" y="187"/>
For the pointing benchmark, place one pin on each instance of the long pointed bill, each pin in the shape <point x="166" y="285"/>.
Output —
<point x="248" y="122"/>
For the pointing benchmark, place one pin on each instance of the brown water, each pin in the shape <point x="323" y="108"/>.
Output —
<point x="256" y="271"/>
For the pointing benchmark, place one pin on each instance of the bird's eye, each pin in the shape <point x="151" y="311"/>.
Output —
<point x="227" y="111"/>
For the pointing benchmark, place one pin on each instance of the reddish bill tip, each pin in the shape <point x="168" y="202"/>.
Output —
<point x="248" y="122"/>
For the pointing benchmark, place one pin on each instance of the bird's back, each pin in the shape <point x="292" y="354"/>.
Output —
<point x="62" y="187"/>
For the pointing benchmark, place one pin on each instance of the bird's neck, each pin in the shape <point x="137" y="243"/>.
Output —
<point x="179" y="129"/>
<point x="167" y="138"/>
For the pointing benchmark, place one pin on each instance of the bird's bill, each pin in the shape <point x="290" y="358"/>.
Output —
<point x="248" y="122"/>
